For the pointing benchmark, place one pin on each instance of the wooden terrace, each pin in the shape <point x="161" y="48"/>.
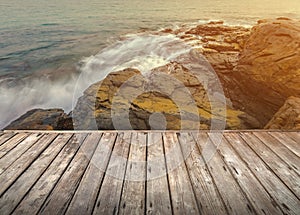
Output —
<point x="149" y="172"/>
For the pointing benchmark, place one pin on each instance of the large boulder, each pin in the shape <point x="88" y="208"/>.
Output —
<point x="128" y="100"/>
<point x="268" y="69"/>
<point x="40" y="119"/>
<point x="259" y="68"/>
<point x="287" y="117"/>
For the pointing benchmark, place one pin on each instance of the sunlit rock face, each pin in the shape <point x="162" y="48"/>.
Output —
<point x="128" y="100"/>
<point x="268" y="69"/>
<point x="287" y="117"/>
<point x="259" y="68"/>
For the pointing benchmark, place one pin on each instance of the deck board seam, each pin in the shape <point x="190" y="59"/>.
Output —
<point x="16" y="158"/>
<point x="44" y="204"/>
<point x="188" y="173"/>
<point x="42" y="172"/>
<point x="270" y="133"/>
<point x="146" y="174"/>
<point x="251" y="171"/>
<point x="293" y="137"/>
<point x="241" y="188"/>
<point x="37" y="156"/>
<point x="269" y="167"/>
<point x="79" y="181"/>
<point x="104" y="174"/>
<point x="284" y="143"/>
<point x="167" y="174"/>
<point x="7" y="138"/>
<point x="279" y="177"/>
<point x="124" y="176"/>
<point x="211" y="176"/>
<point x="257" y="178"/>
<point x="277" y="155"/>
<point x="18" y="142"/>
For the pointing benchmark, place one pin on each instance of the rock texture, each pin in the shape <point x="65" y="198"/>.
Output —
<point x="259" y="68"/>
<point x="272" y="56"/>
<point x="268" y="69"/>
<point x="287" y="117"/>
<point x="132" y="99"/>
<point x="41" y="119"/>
<point x="220" y="44"/>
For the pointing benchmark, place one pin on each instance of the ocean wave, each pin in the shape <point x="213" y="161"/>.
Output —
<point x="61" y="88"/>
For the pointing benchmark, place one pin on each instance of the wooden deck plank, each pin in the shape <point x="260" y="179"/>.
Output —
<point x="251" y="172"/>
<point x="21" y="186"/>
<point x="158" y="193"/>
<point x="22" y="163"/>
<point x="11" y="143"/>
<point x="133" y="194"/>
<point x="287" y="141"/>
<point x="37" y="195"/>
<point x="283" y="168"/>
<point x="60" y="197"/>
<point x="5" y="136"/>
<point x="281" y="195"/>
<point x="207" y="194"/>
<point x="295" y="136"/>
<point x="17" y="151"/>
<point x="85" y="197"/>
<point x="234" y="198"/>
<point x="108" y="200"/>
<point x="283" y="152"/>
<point x="255" y="192"/>
<point x="182" y="194"/>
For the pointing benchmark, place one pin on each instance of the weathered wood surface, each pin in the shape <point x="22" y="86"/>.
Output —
<point x="149" y="172"/>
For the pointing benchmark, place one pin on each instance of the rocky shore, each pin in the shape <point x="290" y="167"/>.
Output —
<point x="258" y="68"/>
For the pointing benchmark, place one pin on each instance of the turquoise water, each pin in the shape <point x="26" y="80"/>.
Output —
<point x="41" y="42"/>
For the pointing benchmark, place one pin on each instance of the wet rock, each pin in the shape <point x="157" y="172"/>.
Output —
<point x="65" y="123"/>
<point x="38" y="119"/>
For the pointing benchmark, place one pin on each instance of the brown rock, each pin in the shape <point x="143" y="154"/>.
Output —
<point x="216" y="29"/>
<point x="38" y="119"/>
<point x="128" y="100"/>
<point x="258" y="69"/>
<point x="65" y="123"/>
<point x="268" y="70"/>
<point x="287" y="117"/>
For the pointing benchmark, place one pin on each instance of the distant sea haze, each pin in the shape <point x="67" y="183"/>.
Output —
<point x="44" y="45"/>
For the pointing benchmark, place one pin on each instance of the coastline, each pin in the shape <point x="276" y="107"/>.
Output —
<point x="222" y="46"/>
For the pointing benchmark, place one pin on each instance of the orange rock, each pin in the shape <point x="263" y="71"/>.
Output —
<point x="268" y="71"/>
<point x="181" y="100"/>
<point x="287" y="117"/>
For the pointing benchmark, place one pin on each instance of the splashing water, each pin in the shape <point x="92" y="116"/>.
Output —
<point x="142" y="52"/>
<point x="62" y="89"/>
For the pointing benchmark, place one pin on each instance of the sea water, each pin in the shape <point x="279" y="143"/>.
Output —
<point x="45" y="46"/>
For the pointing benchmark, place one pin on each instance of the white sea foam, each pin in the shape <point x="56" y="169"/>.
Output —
<point x="143" y="52"/>
<point x="34" y="93"/>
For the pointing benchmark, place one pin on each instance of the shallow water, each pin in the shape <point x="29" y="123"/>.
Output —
<point x="43" y="41"/>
